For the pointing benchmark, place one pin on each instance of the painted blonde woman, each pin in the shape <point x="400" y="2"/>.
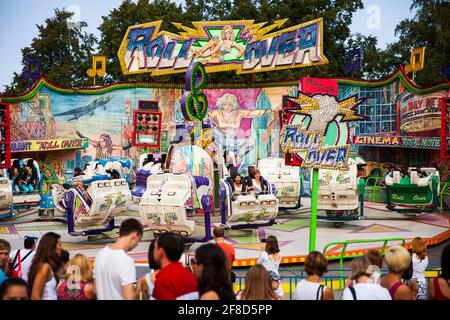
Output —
<point x="218" y="48"/>
<point x="227" y="115"/>
<point x="234" y="132"/>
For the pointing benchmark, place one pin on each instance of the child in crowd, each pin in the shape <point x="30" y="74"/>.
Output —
<point x="78" y="283"/>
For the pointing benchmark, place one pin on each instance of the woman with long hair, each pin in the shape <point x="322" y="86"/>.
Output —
<point x="270" y="256"/>
<point x="43" y="274"/>
<point x="211" y="270"/>
<point x="420" y="264"/>
<point x="258" y="285"/>
<point x="78" y="283"/>
<point x="148" y="281"/>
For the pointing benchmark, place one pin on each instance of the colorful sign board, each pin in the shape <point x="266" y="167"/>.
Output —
<point x="420" y="114"/>
<point x="49" y="145"/>
<point x="445" y="128"/>
<point x="315" y="85"/>
<point x="316" y="130"/>
<point x="397" y="141"/>
<point x="241" y="45"/>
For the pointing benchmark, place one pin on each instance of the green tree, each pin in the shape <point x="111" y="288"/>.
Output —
<point x="64" y="53"/>
<point x="429" y="28"/>
<point x="375" y="62"/>
<point x="116" y="23"/>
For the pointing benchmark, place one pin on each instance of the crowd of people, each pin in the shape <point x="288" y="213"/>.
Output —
<point x="47" y="272"/>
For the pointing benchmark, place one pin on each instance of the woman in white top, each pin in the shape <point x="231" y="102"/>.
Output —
<point x="362" y="288"/>
<point x="43" y="275"/>
<point x="310" y="288"/>
<point x="238" y="186"/>
<point x="270" y="256"/>
<point x="257" y="185"/>
<point x="270" y="259"/>
<point x="420" y="264"/>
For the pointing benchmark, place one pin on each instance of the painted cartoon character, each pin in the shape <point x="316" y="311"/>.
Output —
<point x="218" y="48"/>
<point x="119" y="202"/>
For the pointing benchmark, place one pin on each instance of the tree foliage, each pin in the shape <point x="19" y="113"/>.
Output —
<point x="430" y="28"/>
<point x="65" y="53"/>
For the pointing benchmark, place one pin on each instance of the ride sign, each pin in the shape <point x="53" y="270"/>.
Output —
<point x="316" y="129"/>
<point x="241" y="45"/>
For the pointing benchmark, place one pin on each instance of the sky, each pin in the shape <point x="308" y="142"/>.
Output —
<point x="18" y="20"/>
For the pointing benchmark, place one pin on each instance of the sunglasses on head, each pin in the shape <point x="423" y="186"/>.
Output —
<point x="35" y="239"/>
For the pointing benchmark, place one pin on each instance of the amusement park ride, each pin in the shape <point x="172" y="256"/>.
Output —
<point x="173" y="189"/>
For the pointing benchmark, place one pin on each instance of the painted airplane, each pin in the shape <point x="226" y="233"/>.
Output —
<point x="88" y="109"/>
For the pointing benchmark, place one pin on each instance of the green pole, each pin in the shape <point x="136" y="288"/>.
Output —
<point x="313" y="218"/>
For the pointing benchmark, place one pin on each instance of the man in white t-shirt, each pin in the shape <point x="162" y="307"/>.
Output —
<point x="114" y="270"/>
<point x="26" y="256"/>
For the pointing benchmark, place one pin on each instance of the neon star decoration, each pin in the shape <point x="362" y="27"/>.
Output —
<point x="323" y="109"/>
<point x="240" y="45"/>
<point x="316" y="130"/>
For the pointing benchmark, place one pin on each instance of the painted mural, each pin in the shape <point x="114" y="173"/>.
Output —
<point x="244" y="121"/>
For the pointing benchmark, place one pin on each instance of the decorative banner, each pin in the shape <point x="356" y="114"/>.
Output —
<point x="398" y="141"/>
<point x="315" y="85"/>
<point x="194" y="104"/>
<point x="94" y="72"/>
<point x="240" y="45"/>
<point x="416" y="61"/>
<point x="33" y="69"/>
<point x="316" y="130"/>
<point x="354" y="61"/>
<point x="49" y="145"/>
<point x="445" y="128"/>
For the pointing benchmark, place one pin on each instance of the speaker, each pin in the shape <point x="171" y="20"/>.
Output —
<point x="148" y="105"/>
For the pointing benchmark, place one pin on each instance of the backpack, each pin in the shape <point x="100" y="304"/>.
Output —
<point x="16" y="269"/>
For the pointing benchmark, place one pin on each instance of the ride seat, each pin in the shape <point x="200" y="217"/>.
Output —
<point x="414" y="176"/>
<point x="396" y="176"/>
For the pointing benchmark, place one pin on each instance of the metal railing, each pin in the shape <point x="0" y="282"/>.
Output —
<point x="331" y="281"/>
<point x="443" y="193"/>
<point x="344" y="245"/>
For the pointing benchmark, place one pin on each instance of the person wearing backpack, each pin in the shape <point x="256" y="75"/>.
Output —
<point x="22" y="258"/>
<point x="363" y="289"/>
<point x="310" y="288"/>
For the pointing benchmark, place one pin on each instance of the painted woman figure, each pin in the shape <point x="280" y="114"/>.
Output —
<point x="104" y="147"/>
<point x="228" y="118"/>
<point x="218" y="49"/>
